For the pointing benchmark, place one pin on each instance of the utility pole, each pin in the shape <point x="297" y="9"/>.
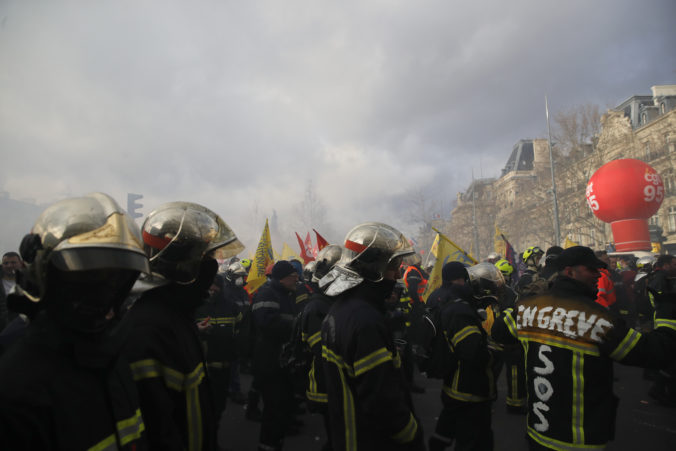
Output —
<point x="557" y="227"/>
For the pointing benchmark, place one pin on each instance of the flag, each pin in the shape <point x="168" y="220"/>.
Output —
<point x="288" y="253"/>
<point x="447" y="251"/>
<point x="432" y="254"/>
<point x="498" y="243"/>
<point x="309" y="248"/>
<point x="307" y="258"/>
<point x="321" y="242"/>
<point x="569" y="243"/>
<point x="262" y="259"/>
<point x="513" y="258"/>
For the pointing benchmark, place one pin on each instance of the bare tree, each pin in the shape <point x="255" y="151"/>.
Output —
<point x="575" y="129"/>
<point x="310" y="212"/>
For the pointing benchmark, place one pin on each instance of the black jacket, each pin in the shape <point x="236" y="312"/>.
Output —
<point x="219" y="339"/>
<point x="368" y="400"/>
<point x="63" y="391"/>
<point x="167" y="361"/>
<point x="273" y="311"/>
<point x="311" y="324"/>
<point x="570" y="344"/>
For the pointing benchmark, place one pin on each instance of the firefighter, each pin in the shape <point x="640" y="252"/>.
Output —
<point x="183" y="241"/>
<point x="369" y="404"/>
<point x="570" y="344"/>
<point x="415" y="279"/>
<point x="273" y="312"/>
<point x="234" y="293"/>
<point x="512" y="354"/>
<point x="219" y="316"/>
<point x="64" y="386"/>
<point x="468" y="390"/>
<point x="311" y="323"/>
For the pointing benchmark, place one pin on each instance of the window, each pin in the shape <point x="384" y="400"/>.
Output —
<point x="643" y="120"/>
<point x="654" y="220"/>
<point x="647" y="151"/>
<point x="672" y="219"/>
<point x="662" y="108"/>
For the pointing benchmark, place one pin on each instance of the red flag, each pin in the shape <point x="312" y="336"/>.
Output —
<point x="303" y="250"/>
<point x="321" y="242"/>
<point x="309" y="249"/>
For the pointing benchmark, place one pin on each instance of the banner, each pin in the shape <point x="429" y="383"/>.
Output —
<point x="263" y="258"/>
<point x="447" y="251"/>
<point x="309" y="248"/>
<point x="499" y="243"/>
<point x="321" y="242"/>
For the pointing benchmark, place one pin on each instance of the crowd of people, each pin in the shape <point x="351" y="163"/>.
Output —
<point x="115" y="337"/>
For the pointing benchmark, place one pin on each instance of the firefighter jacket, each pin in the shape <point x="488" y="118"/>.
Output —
<point x="311" y="325"/>
<point x="368" y="401"/>
<point x="236" y="295"/>
<point x="273" y="314"/>
<point x="606" y="289"/>
<point x="219" y="339"/>
<point x="62" y="391"/>
<point x="302" y="296"/>
<point x="570" y="344"/>
<point x="167" y="361"/>
<point x="416" y="282"/>
<point x="472" y="379"/>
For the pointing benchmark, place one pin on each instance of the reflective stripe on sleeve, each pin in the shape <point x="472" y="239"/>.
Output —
<point x="107" y="444"/>
<point x="626" y="345"/>
<point x="130" y="429"/>
<point x="265" y="304"/>
<point x="464" y="333"/>
<point x="371" y="361"/>
<point x="668" y="323"/>
<point x="408" y="433"/>
<point x="511" y="324"/>
<point x="314" y="339"/>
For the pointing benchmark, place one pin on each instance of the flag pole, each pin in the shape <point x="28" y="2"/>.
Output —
<point x="557" y="227"/>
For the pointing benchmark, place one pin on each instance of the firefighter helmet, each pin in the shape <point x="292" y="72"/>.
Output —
<point x="486" y="280"/>
<point x="234" y="271"/>
<point x="326" y="259"/>
<point x="370" y="248"/>
<point x="80" y="234"/>
<point x="646" y="263"/>
<point x="532" y="255"/>
<point x="505" y="267"/>
<point x="493" y="257"/>
<point x="178" y="235"/>
<point x="309" y="270"/>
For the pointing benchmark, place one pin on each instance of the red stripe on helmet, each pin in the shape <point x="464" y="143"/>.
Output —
<point x="355" y="247"/>
<point x="155" y="241"/>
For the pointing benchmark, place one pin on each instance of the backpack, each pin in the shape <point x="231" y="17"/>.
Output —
<point x="433" y="353"/>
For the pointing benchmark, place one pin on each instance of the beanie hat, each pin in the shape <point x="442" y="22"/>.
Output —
<point x="282" y="269"/>
<point x="453" y="271"/>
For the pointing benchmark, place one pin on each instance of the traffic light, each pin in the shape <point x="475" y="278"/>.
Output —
<point x="132" y="205"/>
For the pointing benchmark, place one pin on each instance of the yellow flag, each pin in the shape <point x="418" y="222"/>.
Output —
<point x="263" y="258"/>
<point x="569" y="243"/>
<point x="498" y="243"/>
<point x="288" y="253"/>
<point x="447" y="251"/>
<point x="435" y="246"/>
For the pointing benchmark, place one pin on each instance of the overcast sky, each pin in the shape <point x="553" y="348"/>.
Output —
<point x="238" y="104"/>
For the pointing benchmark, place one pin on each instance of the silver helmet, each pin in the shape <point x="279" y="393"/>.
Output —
<point x="369" y="249"/>
<point x="178" y="235"/>
<point x="81" y="234"/>
<point x="486" y="280"/>
<point x="646" y="263"/>
<point x="309" y="270"/>
<point x="326" y="259"/>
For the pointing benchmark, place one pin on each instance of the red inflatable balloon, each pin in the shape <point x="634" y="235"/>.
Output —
<point x="626" y="193"/>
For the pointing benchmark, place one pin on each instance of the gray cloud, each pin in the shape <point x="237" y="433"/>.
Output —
<point x="238" y="104"/>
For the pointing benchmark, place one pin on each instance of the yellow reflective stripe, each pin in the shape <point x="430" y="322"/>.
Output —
<point x="151" y="368"/>
<point x="511" y="324"/>
<point x="317" y="397"/>
<point x="332" y="357"/>
<point x="371" y="361"/>
<point x="314" y="338"/>
<point x="108" y="443"/>
<point x="192" y="402"/>
<point x="668" y="323"/>
<point x="303" y="336"/>
<point x="301" y="298"/>
<point x="348" y="415"/>
<point x="454" y="393"/>
<point x="408" y="433"/>
<point x="626" y="345"/>
<point x="549" y="442"/>
<point x="464" y="333"/>
<point x="130" y="429"/>
<point x="560" y="343"/>
<point x="578" y="398"/>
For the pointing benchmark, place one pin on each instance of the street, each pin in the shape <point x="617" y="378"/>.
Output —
<point x="642" y="424"/>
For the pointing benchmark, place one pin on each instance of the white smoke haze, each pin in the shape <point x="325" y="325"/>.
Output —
<point x="239" y="105"/>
